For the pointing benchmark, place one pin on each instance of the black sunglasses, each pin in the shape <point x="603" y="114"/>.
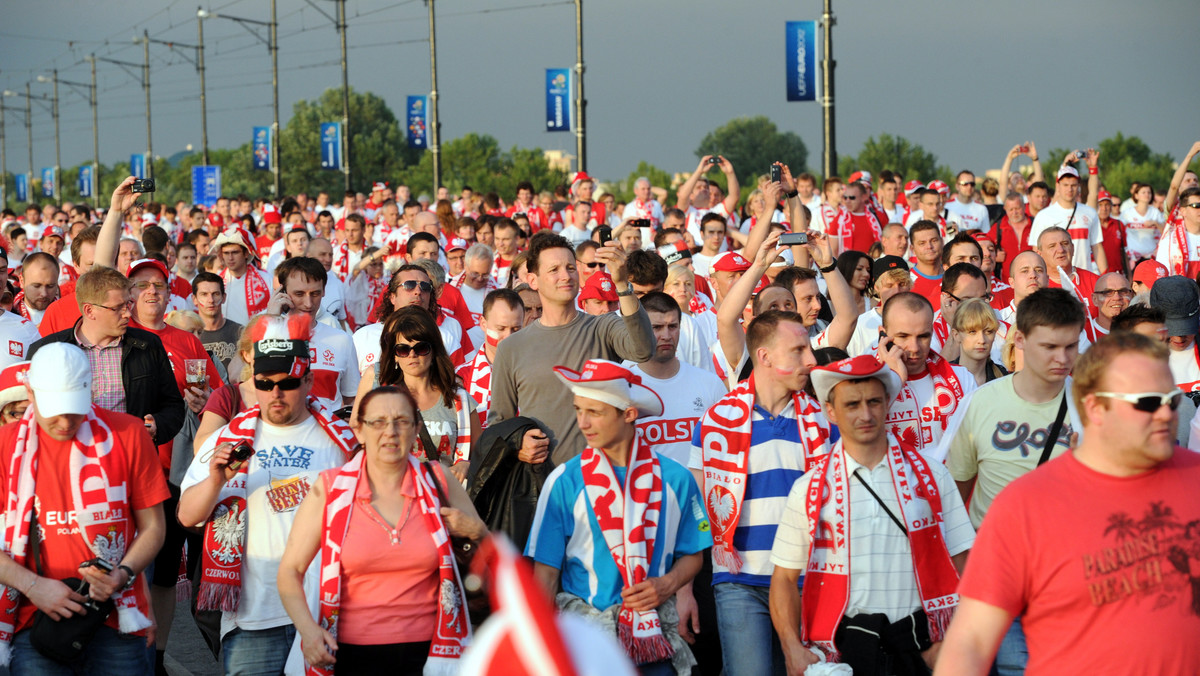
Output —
<point x="412" y="284"/>
<point x="1147" y="402"/>
<point x="594" y="265"/>
<point x="1194" y="205"/>
<point x="285" y="385"/>
<point x="970" y="183"/>
<point x="421" y="349"/>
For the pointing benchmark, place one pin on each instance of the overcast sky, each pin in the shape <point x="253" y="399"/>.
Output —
<point x="967" y="79"/>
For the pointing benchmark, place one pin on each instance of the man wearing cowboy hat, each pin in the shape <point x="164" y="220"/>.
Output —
<point x="620" y="525"/>
<point x="888" y="564"/>
<point x="247" y="289"/>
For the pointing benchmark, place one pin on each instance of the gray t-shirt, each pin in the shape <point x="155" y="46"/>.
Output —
<point x="222" y="343"/>
<point x="524" y="383"/>
<point x="441" y="422"/>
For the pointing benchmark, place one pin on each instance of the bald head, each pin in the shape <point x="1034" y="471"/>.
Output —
<point x="426" y="222"/>
<point x="320" y="249"/>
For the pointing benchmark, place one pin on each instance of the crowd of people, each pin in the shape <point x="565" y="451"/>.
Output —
<point x="799" y="430"/>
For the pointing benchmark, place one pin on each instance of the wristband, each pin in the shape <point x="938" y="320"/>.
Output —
<point x="792" y="195"/>
<point x="628" y="290"/>
<point x="831" y="268"/>
<point x="1092" y="171"/>
<point x="31" y="586"/>
<point x="130" y="573"/>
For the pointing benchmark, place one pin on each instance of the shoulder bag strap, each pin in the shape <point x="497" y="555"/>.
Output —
<point x="431" y="450"/>
<point x="880" y="501"/>
<point x="1052" y="435"/>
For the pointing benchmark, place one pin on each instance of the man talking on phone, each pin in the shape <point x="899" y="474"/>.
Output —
<point x="244" y="487"/>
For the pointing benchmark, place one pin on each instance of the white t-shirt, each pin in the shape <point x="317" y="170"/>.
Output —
<point x="694" y="216"/>
<point x="686" y="396"/>
<point x="866" y="334"/>
<point x="920" y="416"/>
<point x="334" y="301"/>
<point x="971" y="216"/>
<point x="701" y="264"/>
<point x="18" y="334"/>
<point x="1153" y="214"/>
<point x="334" y="365"/>
<point x="697" y="333"/>
<point x="1084" y="229"/>
<point x="1185" y="367"/>
<point x="1168" y="247"/>
<point x="286" y="463"/>
<point x="234" y="307"/>
<point x="651" y="209"/>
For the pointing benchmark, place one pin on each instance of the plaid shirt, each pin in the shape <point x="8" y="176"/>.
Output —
<point x="108" y="389"/>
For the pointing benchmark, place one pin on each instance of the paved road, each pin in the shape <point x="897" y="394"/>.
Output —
<point x="187" y="653"/>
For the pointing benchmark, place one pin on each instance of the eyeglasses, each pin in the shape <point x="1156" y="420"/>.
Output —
<point x="142" y="286"/>
<point x="970" y="183"/>
<point x="1109" y="293"/>
<point x="986" y="296"/>
<point x="381" y="424"/>
<point x="850" y="198"/>
<point x="1147" y="402"/>
<point x="120" y="309"/>
<point x="1194" y="205"/>
<point x="412" y="285"/>
<point x="285" y="385"/>
<point x="420" y="349"/>
<point x="593" y="265"/>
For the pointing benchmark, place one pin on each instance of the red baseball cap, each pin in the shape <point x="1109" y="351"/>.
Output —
<point x="864" y="176"/>
<point x="601" y="287"/>
<point x="1150" y="271"/>
<point x="143" y="263"/>
<point x="1105" y="195"/>
<point x="912" y="186"/>
<point x="939" y="186"/>
<point x="730" y="261"/>
<point x="457" y="244"/>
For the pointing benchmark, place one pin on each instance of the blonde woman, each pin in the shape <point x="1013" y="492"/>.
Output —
<point x="975" y="327"/>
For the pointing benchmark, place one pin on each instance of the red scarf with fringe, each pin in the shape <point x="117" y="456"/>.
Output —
<point x="827" y="578"/>
<point x="628" y="517"/>
<point x="258" y="292"/>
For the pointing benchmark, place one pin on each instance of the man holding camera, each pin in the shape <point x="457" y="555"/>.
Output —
<point x="85" y="502"/>
<point x="245" y="485"/>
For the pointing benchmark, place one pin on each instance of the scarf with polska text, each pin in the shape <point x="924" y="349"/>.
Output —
<point x="477" y="376"/>
<point x="99" y="492"/>
<point x="258" y="292"/>
<point x="725" y="452"/>
<point x="826" y="590"/>
<point x="225" y="533"/>
<point x="628" y="517"/>
<point x="453" y="630"/>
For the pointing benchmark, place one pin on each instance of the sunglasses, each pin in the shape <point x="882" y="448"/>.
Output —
<point x="412" y="285"/>
<point x="970" y="183"/>
<point x="420" y="349"/>
<point x="1109" y="293"/>
<point x="1194" y="205"/>
<point x="1147" y="402"/>
<point x="594" y="265"/>
<point x="285" y="385"/>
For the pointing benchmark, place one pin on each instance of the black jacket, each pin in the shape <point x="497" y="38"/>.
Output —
<point x="148" y="378"/>
<point x="504" y="489"/>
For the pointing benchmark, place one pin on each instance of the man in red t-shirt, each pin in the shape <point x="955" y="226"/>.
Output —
<point x="1113" y="233"/>
<point x="1110" y="583"/>
<point x="856" y="228"/>
<point x="90" y="479"/>
<point x="1057" y="248"/>
<point x="926" y="243"/>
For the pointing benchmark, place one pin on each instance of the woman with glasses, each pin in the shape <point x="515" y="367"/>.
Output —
<point x="413" y="358"/>
<point x="380" y="525"/>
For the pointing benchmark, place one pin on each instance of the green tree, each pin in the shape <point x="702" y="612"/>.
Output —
<point x="896" y="153"/>
<point x="751" y="144"/>
<point x="477" y="160"/>
<point x="1123" y="160"/>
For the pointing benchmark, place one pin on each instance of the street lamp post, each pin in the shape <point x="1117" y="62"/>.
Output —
<point x="272" y="47"/>
<point x="57" y="147"/>
<point x="434" y="135"/>
<point x="28" y="126"/>
<point x="203" y="91"/>
<point x="146" y="85"/>
<point x="827" y="65"/>
<point x="580" y="101"/>
<point x="341" y="26"/>
<point x="91" y="89"/>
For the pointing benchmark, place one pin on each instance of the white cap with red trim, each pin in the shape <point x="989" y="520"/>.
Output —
<point x="613" y="384"/>
<point x="825" y="378"/>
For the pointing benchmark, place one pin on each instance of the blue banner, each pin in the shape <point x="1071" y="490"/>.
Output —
<point x="558" y="99"/>
<point x="331" y="145"/>
<point x="206" y="185"/>
<point x="801" y="61"/>
<point x="22" y="181"/>
<point x="137" y="165"/>
<point x="262" y="148"/>
<point x="48" y="182"/>
<point x="418" y="128"/>
<point x="85" y="181"/>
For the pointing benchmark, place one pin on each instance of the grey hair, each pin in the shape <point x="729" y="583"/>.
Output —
<point x="436" y="272"/>
<point x="479" y="252"/>
<point x="641" y="179"/>
<point x="141" y="251"/>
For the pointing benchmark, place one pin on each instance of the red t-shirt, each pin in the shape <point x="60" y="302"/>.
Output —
<point x="1010" y="242"/>
<point x="62" y="548"/>
<point x="1002" y="294"/>
<point x="264" y="244"/>
<point x="856" y="232"/>
<point x="930" y="287"/>
<point x="1113" y="233"/>
<point x="62" y="314"/>
<point x="1105" y="571"/>
<point x="181" y="346"/>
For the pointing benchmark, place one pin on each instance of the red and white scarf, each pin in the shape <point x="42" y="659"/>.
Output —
<point x="628" y="517"/>
<point x="462" y="421"/>
<point x="452" y="630"/>
<point x="827" y="577"/>
<point x="99" y="497"/>
<point x="18" y="306"/>
<point x="225" y="532"/>
<point x="478" y="381"/>
<point x="457" y="281"/>
<point x="341" y="260"/>
<point x="258" y="292"/>
<point x="725" y="450"/>
<point x="1181" y="260"/>
<point x="941" y="329"/>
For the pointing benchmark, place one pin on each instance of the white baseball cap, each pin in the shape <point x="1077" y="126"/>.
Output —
<point x="61" y="378"/>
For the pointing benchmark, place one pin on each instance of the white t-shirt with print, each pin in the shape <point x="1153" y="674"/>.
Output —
<point x="971" y="216"/>
<point x="686" y="396"/>
<point x="920" y="416"/>
<point x="18" y="334"/>
<point x="1084" y="229"/>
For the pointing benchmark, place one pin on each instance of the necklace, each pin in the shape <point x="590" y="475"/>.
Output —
<point x="393" y="533"/>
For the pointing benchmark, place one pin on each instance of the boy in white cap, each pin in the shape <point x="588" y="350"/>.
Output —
<point x="89" y="481"/>
<point x="247" y="289"/>
<point x="878" y="533"/>
<point x="621" y="526"/>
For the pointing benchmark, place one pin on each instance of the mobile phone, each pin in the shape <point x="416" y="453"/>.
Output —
<point x="793" y="238"/>
<point x="640" y="222"/>
<point x="240" y="454"/>
<point x="776" y="173"/>
<point x="343" y="413"/>
<point x="1024" y="149"/>
<point x="1080" y="154"/>
<point x="604" y="234"/>
<point x="100" y="563"/>
<point x="142" y="185"/>
<point x="715" y="159"/>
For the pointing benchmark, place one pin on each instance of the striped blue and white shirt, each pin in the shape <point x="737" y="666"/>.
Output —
<point x="776" y="462"/>
<point x="566" y="535"/>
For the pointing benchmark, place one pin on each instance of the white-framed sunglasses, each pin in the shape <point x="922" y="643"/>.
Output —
<point x="1147" y="402"/>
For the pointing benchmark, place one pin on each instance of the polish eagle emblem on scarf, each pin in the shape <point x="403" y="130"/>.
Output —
<point x="227" y="530"/>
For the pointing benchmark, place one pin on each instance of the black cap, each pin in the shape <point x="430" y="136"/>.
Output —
<point x="1179" y="299"/>
<point x="885" y="263"/>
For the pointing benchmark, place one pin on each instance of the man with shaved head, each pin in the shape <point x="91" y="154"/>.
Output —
<point x="1027" y="273"/>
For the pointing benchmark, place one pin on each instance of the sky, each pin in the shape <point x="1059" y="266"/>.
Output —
<point x="967" y="80"/>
